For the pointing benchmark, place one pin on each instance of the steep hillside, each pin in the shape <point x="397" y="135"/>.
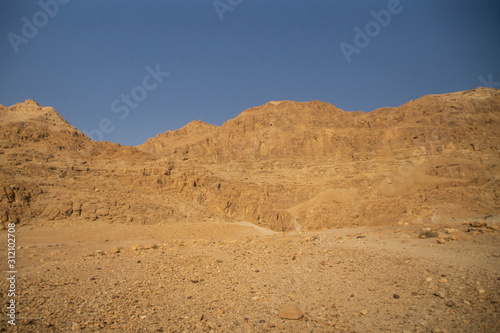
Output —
<point x="168" y="142"/>
<point x="293" y="165"/>
<point x="47" y="166"/>
<point x="284" y="165"/>
<point x="320" y="130"/>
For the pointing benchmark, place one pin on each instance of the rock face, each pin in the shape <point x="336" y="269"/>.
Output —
<point x="45" y="163"/>
<point x="284" y="165"/>
<point x="168" y="142"/>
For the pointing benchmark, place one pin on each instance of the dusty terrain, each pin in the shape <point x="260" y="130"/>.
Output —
<point x="212" y="228"/>
<point x="226" y="277"/>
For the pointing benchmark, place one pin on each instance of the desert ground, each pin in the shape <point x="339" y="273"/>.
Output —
<point x="215" y="276"/>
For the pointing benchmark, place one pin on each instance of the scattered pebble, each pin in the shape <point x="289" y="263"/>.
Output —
<point x="291" y="312"/>
<point x="114" y="251"/>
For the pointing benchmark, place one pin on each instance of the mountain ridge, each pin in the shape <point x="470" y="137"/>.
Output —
<point x="283" y="165"/>
<point x="262" y="119"/>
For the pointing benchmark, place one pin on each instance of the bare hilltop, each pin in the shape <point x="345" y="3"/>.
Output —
<point x="293" y="216"/>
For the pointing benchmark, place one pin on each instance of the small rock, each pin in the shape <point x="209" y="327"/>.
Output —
<point x="450" y="304"/>
<point x="478" y="224"/>
<point x="481" y="291"/>
<point x="443" y="280"/>
<point x="75" y="327"/>
<point x="440" y="294"/>
<point x="441" y="241"/>
<point x="114" y="251"/>
<point x="396" y="296"/>
<point x="291" y="312"/>
<point x="363" y="312"/>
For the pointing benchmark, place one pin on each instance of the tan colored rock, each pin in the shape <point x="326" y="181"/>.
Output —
<point x="114" y="251"/>
<point x="478" y="224"/>
<point x="291" y="312"/>
<point x="283" y="166"/>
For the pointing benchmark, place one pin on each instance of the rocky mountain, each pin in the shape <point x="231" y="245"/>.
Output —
<point x="284" y="165"/>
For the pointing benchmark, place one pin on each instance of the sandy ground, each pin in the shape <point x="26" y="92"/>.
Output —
<point x="234" y="277"/>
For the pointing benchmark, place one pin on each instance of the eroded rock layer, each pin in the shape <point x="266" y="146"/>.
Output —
<point x="284" y="165"/>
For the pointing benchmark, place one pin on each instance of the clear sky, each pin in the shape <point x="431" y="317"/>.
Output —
<point x="103" y="64"/>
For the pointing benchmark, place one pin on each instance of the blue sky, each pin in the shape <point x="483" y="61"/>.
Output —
<point x="86" y="55"/>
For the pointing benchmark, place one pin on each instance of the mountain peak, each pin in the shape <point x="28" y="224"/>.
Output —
<point x="31" y="101"/>
<point x="31" y="112"/>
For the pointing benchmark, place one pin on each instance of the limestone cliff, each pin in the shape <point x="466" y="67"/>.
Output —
<point x="284" y="165"/>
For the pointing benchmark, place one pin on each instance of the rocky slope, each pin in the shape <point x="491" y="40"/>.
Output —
<point x="284" y="165"/>
<point x="46" y="165"/>
<point x="291" y="165"/>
